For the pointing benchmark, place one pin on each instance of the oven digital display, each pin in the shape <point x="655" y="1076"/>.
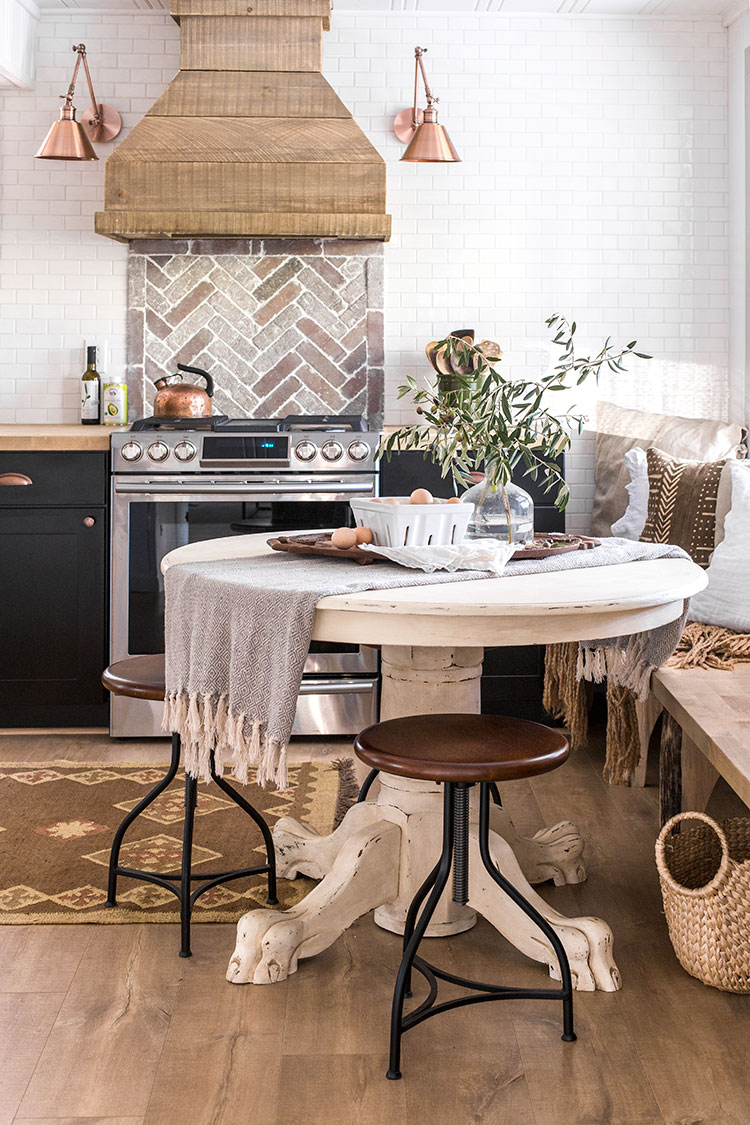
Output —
<point x="248" y="447"/>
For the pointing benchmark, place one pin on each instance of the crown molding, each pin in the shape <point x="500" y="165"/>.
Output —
<point x="735" y="11"/>
<point x="651" y="9"/>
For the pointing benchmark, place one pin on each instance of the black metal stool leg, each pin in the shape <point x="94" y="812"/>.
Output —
<point x="186" y="906"/>
<point x="114" y="855"/>
<point x="411" y="915"/>
<point x="366" y="785"/>
<point x="404" y="972"/>
<point x="256" y="816"/>
<point x="566" y="994"/>
<point x="495" y="793"/>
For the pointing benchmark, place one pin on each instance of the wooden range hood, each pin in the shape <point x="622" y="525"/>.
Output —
<point x="248" y="139"/>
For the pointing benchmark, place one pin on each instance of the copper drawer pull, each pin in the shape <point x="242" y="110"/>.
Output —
<point x="89" y="521"/>
<point x="15" y="478"/>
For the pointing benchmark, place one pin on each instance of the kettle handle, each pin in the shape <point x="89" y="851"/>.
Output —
<point x="204" y="374"/>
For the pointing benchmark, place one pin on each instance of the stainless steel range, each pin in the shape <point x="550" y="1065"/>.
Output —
<point x="187" y="481"/>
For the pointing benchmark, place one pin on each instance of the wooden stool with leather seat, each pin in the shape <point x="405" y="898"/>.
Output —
<point x="142" y="677"/>
<point x="460" y="751"/>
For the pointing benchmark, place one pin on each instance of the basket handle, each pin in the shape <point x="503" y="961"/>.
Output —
<point x="666" y="874"/>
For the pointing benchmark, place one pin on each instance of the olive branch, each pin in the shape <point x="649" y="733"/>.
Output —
<point x="477" y="418"/>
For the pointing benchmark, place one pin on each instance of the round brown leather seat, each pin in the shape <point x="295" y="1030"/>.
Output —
<point x="141" y="677"/>
<point x="461" y="748"/>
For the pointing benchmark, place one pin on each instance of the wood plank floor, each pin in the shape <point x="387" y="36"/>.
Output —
<point x="106" y="1024"/>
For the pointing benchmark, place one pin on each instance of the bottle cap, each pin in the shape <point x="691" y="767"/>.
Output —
<point x="91" y="356"/>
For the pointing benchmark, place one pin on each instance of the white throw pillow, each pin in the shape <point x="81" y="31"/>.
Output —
<point x="631" y="524"/>
<point x="726" y="599"/>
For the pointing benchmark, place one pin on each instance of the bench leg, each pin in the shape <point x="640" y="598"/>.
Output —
<point x="698" y="777"/>
<point x="647" y="712"/>
<point x="686" y="777"/>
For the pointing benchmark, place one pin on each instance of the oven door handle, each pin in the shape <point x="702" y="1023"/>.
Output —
<point x="316" y="686"/>
<point x="158" y="489"/>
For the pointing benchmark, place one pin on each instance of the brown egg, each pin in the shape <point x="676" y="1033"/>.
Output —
<point x="453" y="500"/>
<point x="364" y="535"/>
<point x="391" y="500"/>
<point x="344" y="537"/>
<point x="420" y="496"/>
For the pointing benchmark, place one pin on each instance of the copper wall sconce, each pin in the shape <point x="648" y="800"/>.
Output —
<point x="427" y="142"/>
<point x="69" y="139"/>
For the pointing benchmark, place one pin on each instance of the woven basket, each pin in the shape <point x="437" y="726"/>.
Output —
<point x="705" y="883"/>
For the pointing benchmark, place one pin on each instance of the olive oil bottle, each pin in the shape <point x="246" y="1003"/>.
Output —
<point x="91" y="391"/>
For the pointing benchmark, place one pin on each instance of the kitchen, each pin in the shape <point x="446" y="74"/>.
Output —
<point x="602" y="172"/>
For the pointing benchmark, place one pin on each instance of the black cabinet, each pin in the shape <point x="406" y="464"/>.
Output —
<point x="53" y="578"/>
<point x="513" y="678"/>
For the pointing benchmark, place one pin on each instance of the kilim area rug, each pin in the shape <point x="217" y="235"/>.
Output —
<point x="57" y="821"/>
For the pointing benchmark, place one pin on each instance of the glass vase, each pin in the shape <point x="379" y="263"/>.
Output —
<point x="505" y="513"/>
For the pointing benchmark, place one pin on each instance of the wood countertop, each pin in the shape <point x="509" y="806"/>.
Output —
<point x="44" y="437"/>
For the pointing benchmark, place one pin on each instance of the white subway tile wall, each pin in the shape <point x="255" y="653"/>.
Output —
<point x="594" y="182"/>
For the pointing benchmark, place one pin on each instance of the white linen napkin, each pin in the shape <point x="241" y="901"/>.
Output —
<point x="473" y="554"/>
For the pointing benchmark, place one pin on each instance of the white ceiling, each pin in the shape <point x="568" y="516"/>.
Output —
<point x="670" y="9"/>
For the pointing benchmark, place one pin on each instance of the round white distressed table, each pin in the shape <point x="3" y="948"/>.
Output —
<point x="432" y="640"/>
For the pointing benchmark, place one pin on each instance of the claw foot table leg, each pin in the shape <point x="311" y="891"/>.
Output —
<point x="587" y="941"/>
<point x="363" y="875"/>
<point x="552" y="853"/>
<point x="383" y="849"/>
<point x="300" y="850"/>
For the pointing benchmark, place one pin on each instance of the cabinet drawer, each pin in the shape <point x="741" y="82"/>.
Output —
<point x="58" y="479"/>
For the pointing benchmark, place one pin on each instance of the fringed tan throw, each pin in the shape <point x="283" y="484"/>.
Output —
<point x="710" y="646"/>
<point x="565" y="695"/>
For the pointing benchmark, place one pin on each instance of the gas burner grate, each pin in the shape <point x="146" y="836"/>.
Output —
<point x="350" y="423"/>
<point x="294" y="423"/>
<point x="210" y="423"/>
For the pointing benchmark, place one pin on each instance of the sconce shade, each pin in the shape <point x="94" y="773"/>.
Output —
<point x="67" y="139"/>
<point x="431" y="144"/>
<point x="426" y="141"/>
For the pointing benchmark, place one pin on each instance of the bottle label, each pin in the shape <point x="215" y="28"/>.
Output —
<point x="90" y="399"/>
<point x="115" y="399"/>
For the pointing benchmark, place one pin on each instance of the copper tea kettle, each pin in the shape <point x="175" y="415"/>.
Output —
<point x="177" y="399"/>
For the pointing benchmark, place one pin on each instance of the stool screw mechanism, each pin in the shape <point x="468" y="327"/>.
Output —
<point x="461" y="845"/>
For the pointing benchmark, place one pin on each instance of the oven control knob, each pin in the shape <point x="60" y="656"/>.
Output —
<point x="332" y="451"/>
<point x="158" y="451"/>
<point x="185" y="451"/>
<point x="131" y="451"/>
<point x="306" y="450"/>
<point x="359" y="451"/>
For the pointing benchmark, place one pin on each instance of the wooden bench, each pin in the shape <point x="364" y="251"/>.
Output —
<point x="705" y="734"/>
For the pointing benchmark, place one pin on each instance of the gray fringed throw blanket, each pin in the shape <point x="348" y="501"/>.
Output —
<point x="238" y="632"/>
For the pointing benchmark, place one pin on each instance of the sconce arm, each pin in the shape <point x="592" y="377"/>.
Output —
<point x="80" y="50"/>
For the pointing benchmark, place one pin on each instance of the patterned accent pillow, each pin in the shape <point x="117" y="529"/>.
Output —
<point x="682" y="499"/>
<point x="619" y="430"/>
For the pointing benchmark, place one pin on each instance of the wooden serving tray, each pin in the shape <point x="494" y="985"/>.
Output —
<point x="317" y="544"/>
<point x="555" y="543"/>
<point x="321" y="546"/>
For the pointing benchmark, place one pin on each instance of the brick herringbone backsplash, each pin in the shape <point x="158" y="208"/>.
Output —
<point x="283" y="325"/>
